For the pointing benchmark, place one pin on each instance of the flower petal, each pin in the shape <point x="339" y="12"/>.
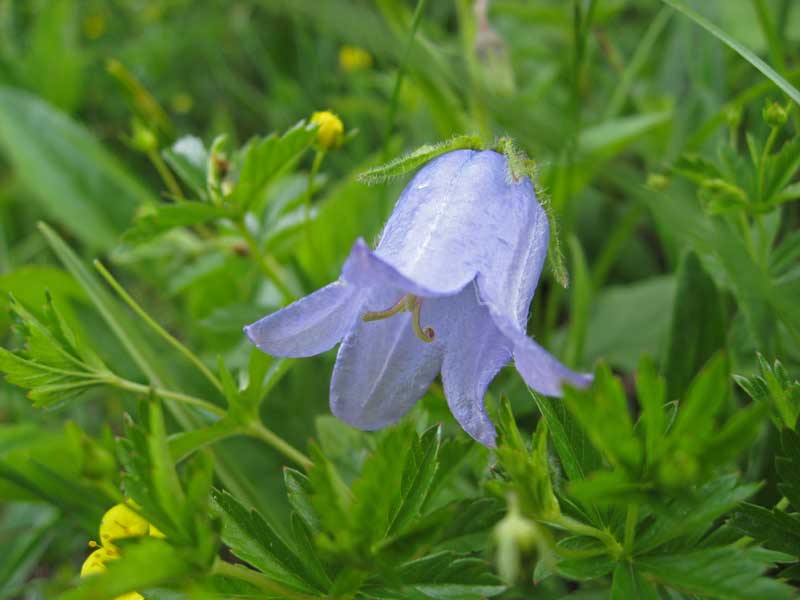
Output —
<point x="310" y="325"/>
<point x="475" y="350"/>
<point x="382" y="368"/>
<point x="540" y="369"/>
<point x="462" y="216"/>
<point x="365" y="268"/>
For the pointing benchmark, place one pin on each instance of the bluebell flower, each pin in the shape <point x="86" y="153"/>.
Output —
<point x="447" y="290"/>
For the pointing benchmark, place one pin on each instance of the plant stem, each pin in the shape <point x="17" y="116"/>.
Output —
<point x="415" y="19"/>
<point x="268" y="264"/>
<point x="257" y="429"/>
<point x="166" y="175"/>
<point x="631" y="519"/>
<point x="575" y="526"/>
<point x="168" y="337"/>
<point x="255" y="578"/>
<point x="318" y="158"/>
<point x="139" y="388"/>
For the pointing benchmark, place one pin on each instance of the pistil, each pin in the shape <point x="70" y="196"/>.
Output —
<point x="410" y="303"/>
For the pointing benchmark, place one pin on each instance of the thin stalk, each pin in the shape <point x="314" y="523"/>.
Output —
<point x="166" y="175"/>
<point x="315" y="166"/>
<point x="270" y="267"/>
<point x="257" y="430"/>
<point x="398" y="83"/>
<point x="168" y="337"/>
<point x="140" y="388"/>
<point x="771" y="33"/>
<point x="575" y="526"/>
<point x="631" y="519"/>
<point x="255" y="578"/>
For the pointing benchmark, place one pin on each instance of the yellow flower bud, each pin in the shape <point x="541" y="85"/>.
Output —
<point x="156" y="532"/>
<point x="331" y="129"/>
<point x="353" y="58"/>
<point x="121" y="522"/>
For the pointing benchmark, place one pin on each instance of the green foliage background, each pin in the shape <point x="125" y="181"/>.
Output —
<point x="160" y="186"/>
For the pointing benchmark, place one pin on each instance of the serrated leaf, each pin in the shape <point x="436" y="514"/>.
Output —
<point x="442" y="576"/>
<point x="627" y="583"/>
<point x="253" y="540"/>
<point x="265" y="159"/>
<point x="788" y="467"/>
<point x="774" y="529"/>
<point x="418" y="474"/>
<point x="602" y="410"/>
<point x="727" y="572"/>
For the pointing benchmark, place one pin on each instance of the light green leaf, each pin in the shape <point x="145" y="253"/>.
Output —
<point x="744" y="52"/>
<point x="77" y="181"/>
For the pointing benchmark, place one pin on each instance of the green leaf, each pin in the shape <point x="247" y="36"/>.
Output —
<point x="580" y="304"/>
<point x="728" y="572"/>
<point x="744" y="52"/>
<point x="253" y="540"/>
<point x="651" y="393"/>
<point x="170" y="216"/>
<point x="77" y="181"/>
<point x="693" y="511"/>
<point x="442" y="576"/>
<point x="774" y="529"/>
<point x="418" y="474"/>
<point x="265" y="159"/>
<point x="403" y="164"/>
<point x="698" y="329"/>
<point x="26" y="531"/>
<point x="609" y="137"/>
<point x="602" y="410"/>
<point x="188" y="158"/>
<point x="788" y="467"/>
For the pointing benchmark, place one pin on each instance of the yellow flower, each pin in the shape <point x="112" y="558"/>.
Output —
<point x="121" y="522"/>
<point x="353" y="58"/>
<point x="96" y="564"/>
<point x="331" y="129"/>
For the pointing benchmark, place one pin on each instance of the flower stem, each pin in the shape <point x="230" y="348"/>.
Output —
<point x="140" y="388"/>
<point x="268" y="264"/>
<point x="312" y="174"/>
<point x="575" y="526"/>
<point x="166" y="175"/>
<point x="398" y="83"/>
<point x="169" y="338"/>
<point x="257" y="429"/>
<point x="255" y="578"/>
<point x="631" y="519"/>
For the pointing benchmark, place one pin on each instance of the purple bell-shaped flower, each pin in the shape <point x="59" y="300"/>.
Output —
<point x="447" y="290"/>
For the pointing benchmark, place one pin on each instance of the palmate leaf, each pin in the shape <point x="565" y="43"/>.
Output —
<point x="441" y="576"/>
<point x="254" y="540"/>
<point x="264" y="159"/>
<point x="774" y="529"/>
<point x="729" y="572"/>
<point x="55" y="366"/>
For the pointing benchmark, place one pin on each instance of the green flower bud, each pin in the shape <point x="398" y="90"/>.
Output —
<point x="775" y="115"/>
